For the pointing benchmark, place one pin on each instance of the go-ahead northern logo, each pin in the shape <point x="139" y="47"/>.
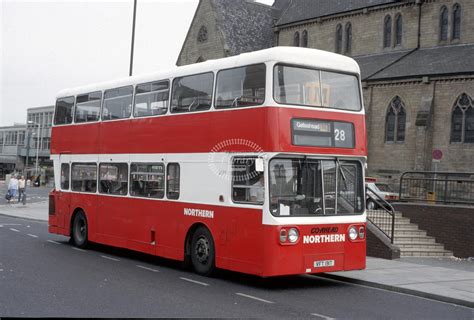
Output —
<point x="318" y="235"/>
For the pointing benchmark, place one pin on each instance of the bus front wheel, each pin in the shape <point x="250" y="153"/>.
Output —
<point x="79" y="230"/>
<point x="203" y="252"/>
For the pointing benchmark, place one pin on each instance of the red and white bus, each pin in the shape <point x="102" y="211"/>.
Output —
<point x="253" y="163"/>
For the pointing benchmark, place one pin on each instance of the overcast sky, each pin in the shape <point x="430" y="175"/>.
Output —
<point x="46" y="46"/>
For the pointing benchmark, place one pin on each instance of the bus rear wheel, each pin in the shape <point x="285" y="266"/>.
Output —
<point x="203" y="252"/>
<point x="79" y="234"/>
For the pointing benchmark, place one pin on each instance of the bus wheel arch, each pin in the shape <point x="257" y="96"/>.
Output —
<point x="79" y="228"/>
<point x="199" y="251"/>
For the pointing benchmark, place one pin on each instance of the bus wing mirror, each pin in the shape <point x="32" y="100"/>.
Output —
<point x="259" y="165"/>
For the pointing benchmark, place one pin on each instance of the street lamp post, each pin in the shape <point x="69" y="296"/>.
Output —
<point x="38" y="135"/>
<point x="133" y="36"/>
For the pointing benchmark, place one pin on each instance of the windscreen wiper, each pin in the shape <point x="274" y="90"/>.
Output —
<point x="341" y="171"/>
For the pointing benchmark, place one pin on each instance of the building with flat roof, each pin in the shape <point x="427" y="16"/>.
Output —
<point x="12" y="139"/>
<point x="25" y="147"/>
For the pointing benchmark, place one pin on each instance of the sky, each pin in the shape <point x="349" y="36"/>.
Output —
<point x="47" y="46"/>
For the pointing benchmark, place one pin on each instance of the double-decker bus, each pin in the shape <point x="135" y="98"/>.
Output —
<point x="252" y="163"/>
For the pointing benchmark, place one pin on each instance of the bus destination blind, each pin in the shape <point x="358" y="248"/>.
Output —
<point x="322" y="133"/>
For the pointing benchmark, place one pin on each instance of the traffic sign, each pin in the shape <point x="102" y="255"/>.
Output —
<point x="437" y="154"/>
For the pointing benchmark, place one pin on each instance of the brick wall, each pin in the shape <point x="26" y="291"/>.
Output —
<point x="367" y="30"/>
<point x="456" y="156"/>
<point x="430" y="22"/>
<point x="379" y="246"/>
<point x="397" y="157"/>
<point x="450" y="225"/>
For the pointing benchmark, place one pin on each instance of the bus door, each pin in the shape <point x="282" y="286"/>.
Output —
<point x="113" y="215"/>
<point x="63" y="198"/>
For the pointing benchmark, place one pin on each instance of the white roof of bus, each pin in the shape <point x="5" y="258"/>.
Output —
<point x="290" y="55"/>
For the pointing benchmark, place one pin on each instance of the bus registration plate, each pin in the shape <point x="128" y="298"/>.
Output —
<point x="323" y="263"/>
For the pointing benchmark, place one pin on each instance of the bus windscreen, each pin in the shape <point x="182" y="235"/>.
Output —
<point x="316" y="88"/>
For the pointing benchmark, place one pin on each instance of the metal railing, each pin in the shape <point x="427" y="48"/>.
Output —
<point x="383" y="215"/>
<point x="437" y="187"/>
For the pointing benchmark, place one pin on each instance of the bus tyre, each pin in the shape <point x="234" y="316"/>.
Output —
<point x="79" y="230"/>
<point x="203" y="252"/>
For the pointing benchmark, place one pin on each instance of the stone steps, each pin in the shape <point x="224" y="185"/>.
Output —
<point x="411" y="241"/>
<point x="398" y="222"/>
<point x="413" y="238"/>
<point x="425" y="245"/>
<point x="424" y="252"/>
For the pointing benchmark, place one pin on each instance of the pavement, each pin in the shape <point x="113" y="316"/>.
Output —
<point x="445" y="279"/>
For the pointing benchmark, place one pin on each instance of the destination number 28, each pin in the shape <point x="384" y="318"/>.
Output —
<point x="339" y="135"/>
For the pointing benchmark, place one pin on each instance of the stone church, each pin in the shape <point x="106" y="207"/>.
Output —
<point x="416" y="59"/>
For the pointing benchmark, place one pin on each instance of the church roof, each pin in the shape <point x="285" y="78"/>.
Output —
<point x="447" y="60"/>
<point x="246" y="25"/>
<point x="373" y="63"/>
<point x="300" y="10"/>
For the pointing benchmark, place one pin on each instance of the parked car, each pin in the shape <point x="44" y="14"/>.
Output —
<point x="383" y="190"/>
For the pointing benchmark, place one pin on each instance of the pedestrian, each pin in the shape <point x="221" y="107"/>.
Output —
<point x="38" y="181"/>
<point x="21" y="188"/>
<point x="13" y="188"/>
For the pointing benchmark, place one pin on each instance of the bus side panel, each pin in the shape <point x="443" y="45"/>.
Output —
<point x="183" y="133"/>
<point x="235" y="231"/>
<point x="77" y="139"/>
<point x="115" y="137"/>
<point x="113" y="218"/>
<point x="242" y="246"/>
<point x="63" y="208"/>
<point x="238" y="130"/>
<point x="145" y="218"/>
<point x="57" y="213"/>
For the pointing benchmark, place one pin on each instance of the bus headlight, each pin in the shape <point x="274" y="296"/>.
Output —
<point x="352" y="233"/>
<point x="293" y="235"/>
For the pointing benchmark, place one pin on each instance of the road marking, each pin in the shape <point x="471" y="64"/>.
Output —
<point x="252" y="297"/>
<point x="110" y="258"/>
<point x="78" y="249"/>
<point x="14" y="230"/>
<point x="146" y="268"/>
<point x="32" y="235"/>
<point x="52" y="241"/>
<point x="194" y="281"/>
<point x="322" y="316"/>
<point x="9" y="224"/>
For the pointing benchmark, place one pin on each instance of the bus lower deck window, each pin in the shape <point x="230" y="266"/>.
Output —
<point x="113" y="178"/>
<point x="147" y="180"/>
<point x="172" y="187"/>
<point x="247" y="183"/>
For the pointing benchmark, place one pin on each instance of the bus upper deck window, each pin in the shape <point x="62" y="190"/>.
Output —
<point x="192" y="93"/>
<point x="117" y="103"/>
<point x="88" y="107"/>
<point x="64" y="110"/>
<point x="241" y="87"/>
<point x="151" y="99"/>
